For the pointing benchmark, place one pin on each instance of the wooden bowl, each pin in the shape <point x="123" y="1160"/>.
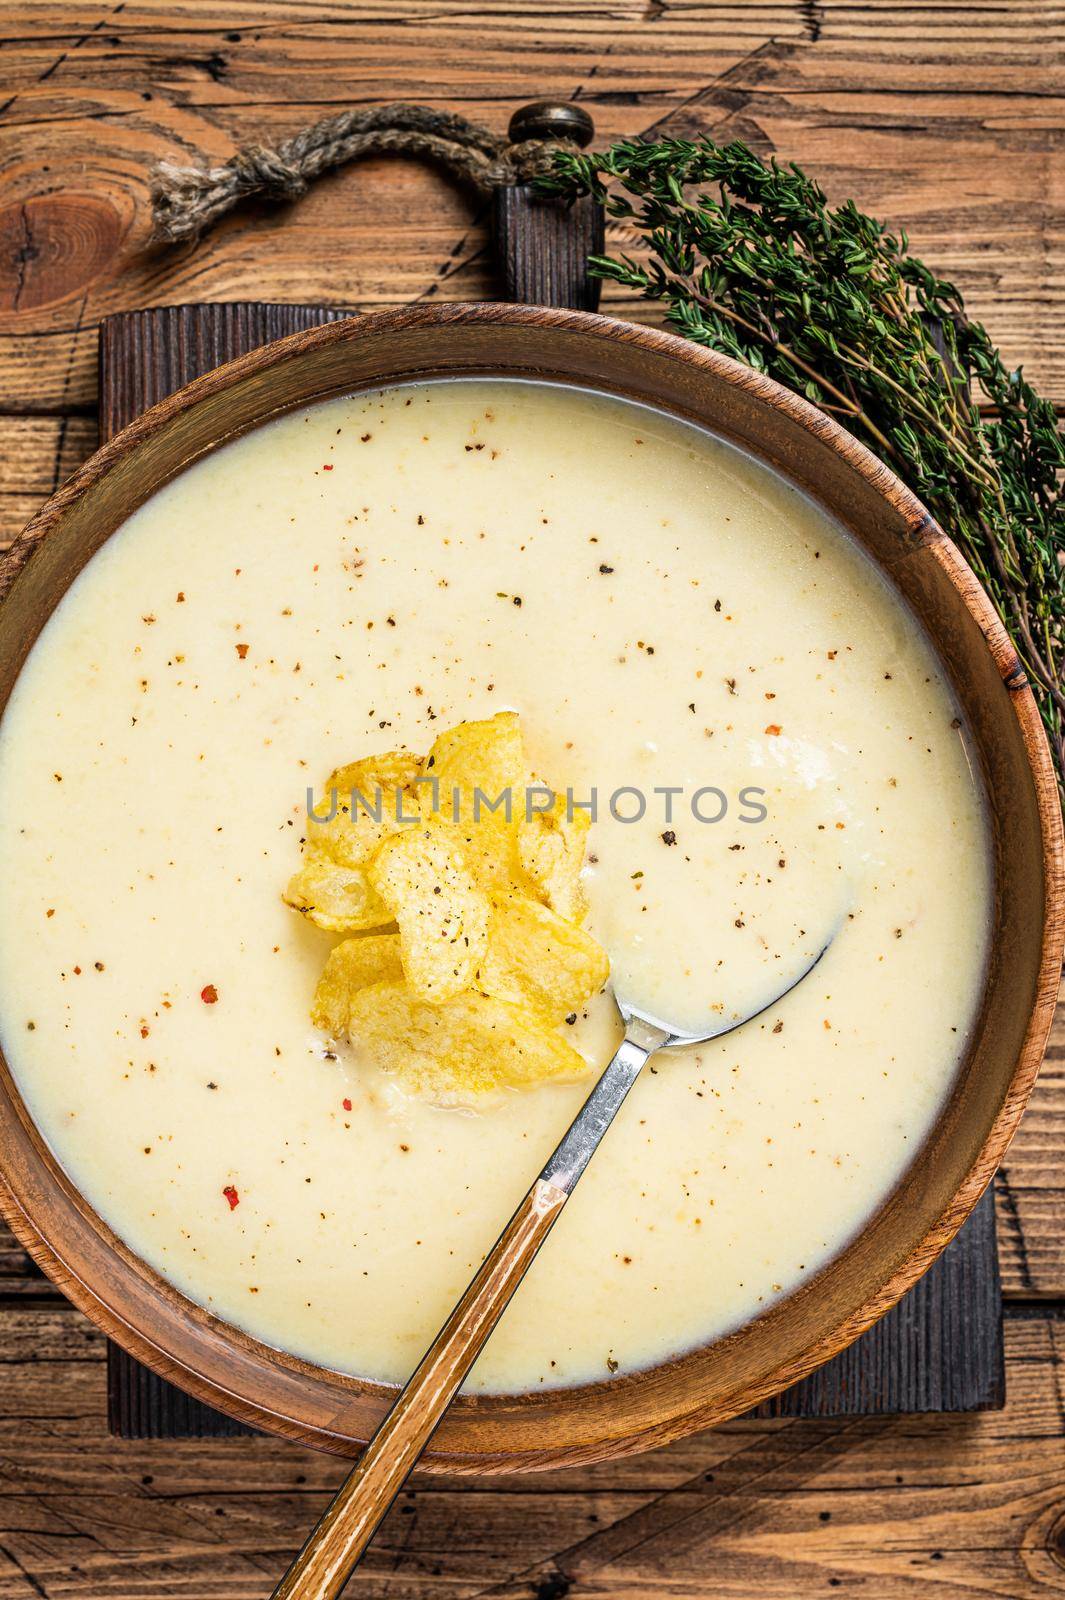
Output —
<point x="272" y="1390"/>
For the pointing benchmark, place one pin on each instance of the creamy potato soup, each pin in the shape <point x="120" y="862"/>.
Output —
<point x="694" y="649"/>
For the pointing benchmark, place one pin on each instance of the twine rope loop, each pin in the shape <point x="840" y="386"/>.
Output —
<point x="186" y="201"/>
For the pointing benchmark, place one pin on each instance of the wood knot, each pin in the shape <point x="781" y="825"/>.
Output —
<point x="1055" y="1541"/>
<point x="53" y="246"/>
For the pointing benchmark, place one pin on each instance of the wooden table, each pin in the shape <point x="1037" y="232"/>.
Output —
<point x="948" y="119"/>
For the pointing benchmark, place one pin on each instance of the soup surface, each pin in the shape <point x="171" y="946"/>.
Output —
<point x="777" y="765"/>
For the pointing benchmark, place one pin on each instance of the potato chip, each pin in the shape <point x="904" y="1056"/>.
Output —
<point x="486" y="754"/>
<point x="534" y="955"/>
<point x="467" y="996"/>
<point x="353" y="965"/>
<point x="422" y="876"/>
<point x="373" y="797"/>
<point x="454" y="1053"/>
<point x="551" y="849"/>
<point x="338" y="899"/>
<point x="362" y="804"/>
<point x="480" y="774"/>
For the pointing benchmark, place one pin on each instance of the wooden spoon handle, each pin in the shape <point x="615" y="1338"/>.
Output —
<point x="328" y="1558"/>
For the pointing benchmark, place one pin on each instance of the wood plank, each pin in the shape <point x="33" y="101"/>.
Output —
<point x="37" y="454"/>
<point x="756" y="1510"/>
<point x="1031" y="1185"/>
<point x="954" y="130"/>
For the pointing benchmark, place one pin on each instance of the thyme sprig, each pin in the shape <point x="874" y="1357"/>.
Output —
<point x="750" y="260"/>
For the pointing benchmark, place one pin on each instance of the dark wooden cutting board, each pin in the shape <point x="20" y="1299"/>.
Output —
<point x="940" y="1349"/>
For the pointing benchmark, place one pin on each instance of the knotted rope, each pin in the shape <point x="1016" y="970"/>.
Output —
<point x="188" y="200"/>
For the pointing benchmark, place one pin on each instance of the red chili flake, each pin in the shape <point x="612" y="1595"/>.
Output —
<point x="208" y="994"/>
<point x="326" y="467"/>
<point x="232" y="1196"/>
<point x="346" y="1104"/>
<point x="242" y="650"/>
<point x="145" y="1030"/>
<point x="773" y="728"/>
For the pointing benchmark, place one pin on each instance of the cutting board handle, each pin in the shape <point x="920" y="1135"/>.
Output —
<point x="542" y="245"/>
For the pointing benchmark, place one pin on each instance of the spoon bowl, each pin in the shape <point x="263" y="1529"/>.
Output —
<point x="676" y="1037"/>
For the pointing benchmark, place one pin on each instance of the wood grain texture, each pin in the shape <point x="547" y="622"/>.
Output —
<point x="542" y="248"/>
<point x="958" y="1508"/>
<point x="145" y="357"/>
<point x="947" y="122"/>
<point x="1031" y="1185"/>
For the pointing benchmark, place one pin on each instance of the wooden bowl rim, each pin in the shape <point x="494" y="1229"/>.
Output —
<point x="902" y="501"/>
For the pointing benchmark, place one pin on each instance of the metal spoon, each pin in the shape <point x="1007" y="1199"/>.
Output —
<point x="340" y="1537"/>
